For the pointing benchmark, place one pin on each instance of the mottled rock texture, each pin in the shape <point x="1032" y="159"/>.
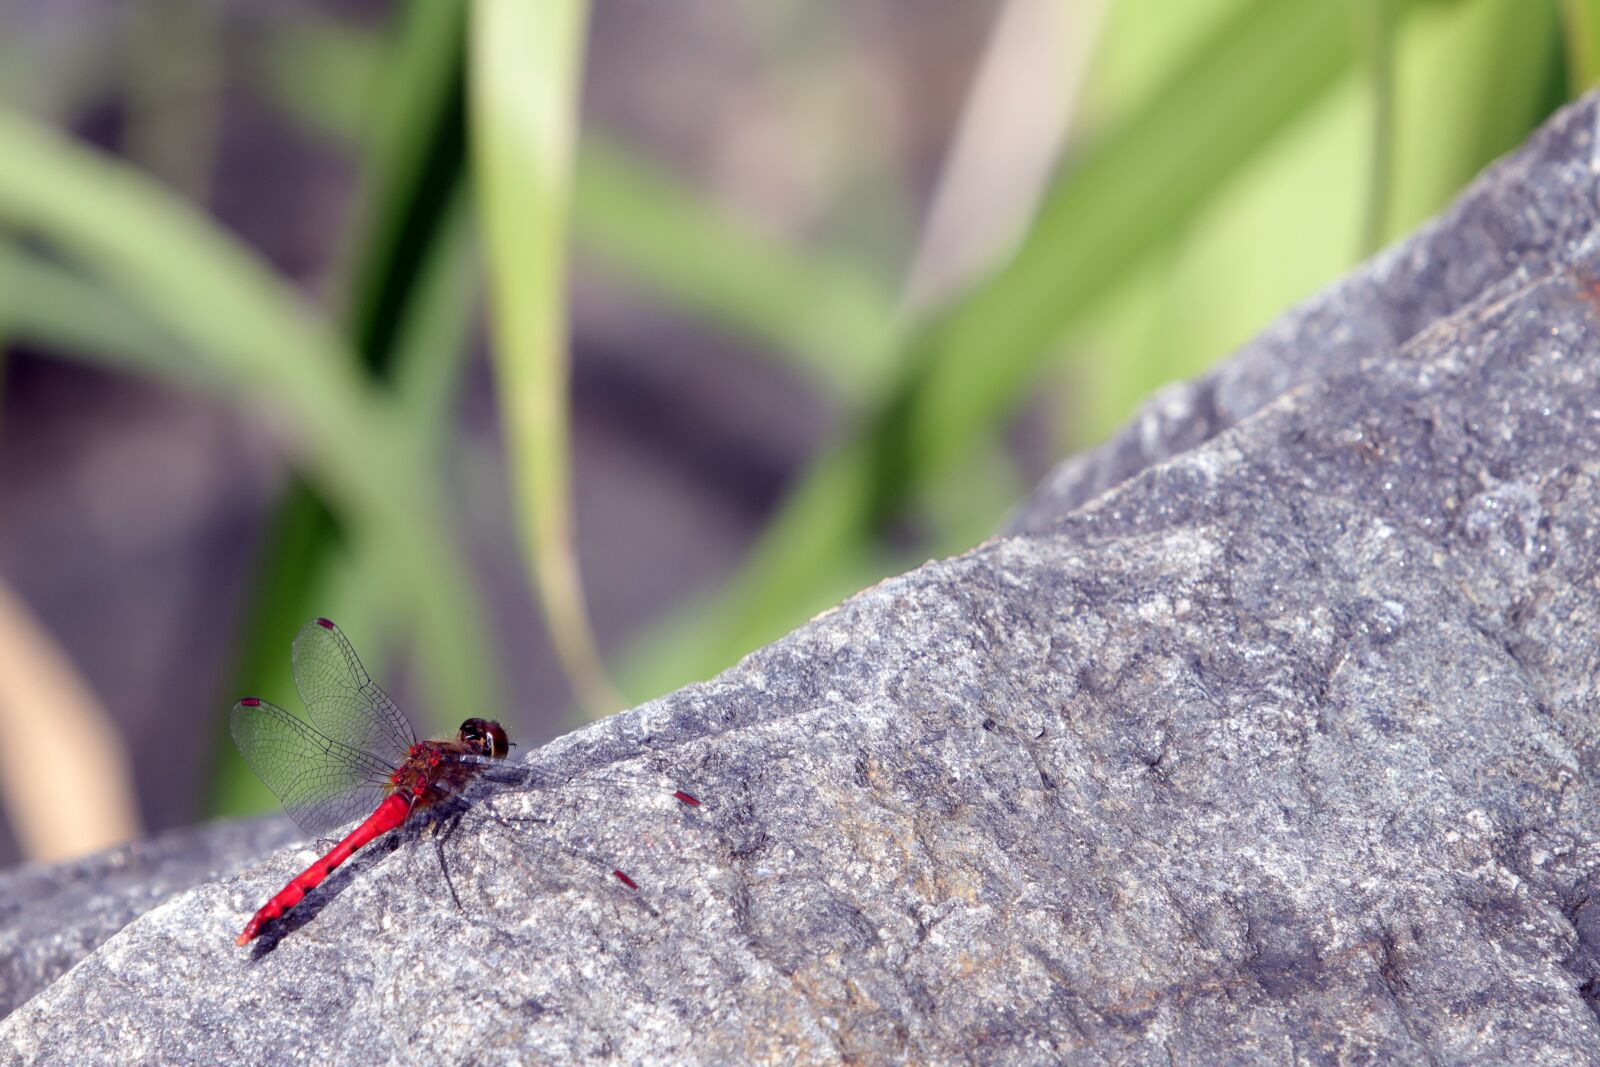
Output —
<point x="53" y="916"/>
<point x="1282" y="750"/>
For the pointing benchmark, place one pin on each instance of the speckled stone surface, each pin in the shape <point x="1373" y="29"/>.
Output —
<point x="51" y="916"/>
<point x="1282" y="750"/>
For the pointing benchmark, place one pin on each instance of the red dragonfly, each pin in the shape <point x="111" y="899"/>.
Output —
<point x="357" y="756"/>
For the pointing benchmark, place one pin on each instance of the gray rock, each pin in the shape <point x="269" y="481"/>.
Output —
<point x="52" y="916"/>
<point x="1281" y="750"/>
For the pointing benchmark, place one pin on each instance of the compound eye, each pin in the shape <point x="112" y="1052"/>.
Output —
<point x="473" y="733"/>
<point x="499" y="746"/>
<point x="485" y="737"/>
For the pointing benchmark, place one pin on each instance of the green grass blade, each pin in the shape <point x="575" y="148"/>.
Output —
<point x="832" y="317"/>
<point x="415" y="162"/>
<point x="1580" y="36"/>
<point x="1124" y="198"/>
<point x="47" y="304"/>
<point x="1121" y="200"/>
<point x="1380" y="33"/>
<point x="251" y="330"/>
<point x="265" y="350"/>
<point x="409" y="326"/>
<point x="1470" y="80"/>
<point x="325" y="72"/>
<point x="526" y="60"/>
<point x="413" y="168"/>
<point x="433" y="339"/>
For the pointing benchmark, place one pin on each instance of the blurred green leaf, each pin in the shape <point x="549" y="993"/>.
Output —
<point x="1379" y="52"/>
<point x="409" y="325"/>
<point x="834" y="318"/>
<point x="262" y="348"/>
<point x="526" y="60"/>
<point x="1471" y="79"/>
<point x="1117" y="202"/>
<point x="1141" y="44"/>
<point x="197" y="282"/>
<point x="432" y="338"/>
<point x="415" y="161"/>
<point x="45" y="303"/>
<point x="1581" y="38"/>
<point x="811" y="557"/>
<point x="325" y="71"/>
<point x="1290" y="221"/>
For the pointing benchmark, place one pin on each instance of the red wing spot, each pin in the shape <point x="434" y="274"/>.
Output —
<point x="625" y="880"/>
<point x="250" y="702"/>
<point x="325" y="624"/>
<point x="688" y="799"/>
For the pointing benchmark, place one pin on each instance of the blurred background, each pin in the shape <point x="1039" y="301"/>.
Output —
<point x="566" y="352"/>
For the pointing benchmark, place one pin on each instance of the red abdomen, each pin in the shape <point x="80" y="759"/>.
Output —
<point x="390" y="814"/>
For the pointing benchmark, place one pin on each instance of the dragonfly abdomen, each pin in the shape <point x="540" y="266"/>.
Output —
<point x="389" y="815"/>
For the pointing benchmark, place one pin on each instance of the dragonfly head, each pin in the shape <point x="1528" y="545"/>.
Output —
<point x="485" y="738"/>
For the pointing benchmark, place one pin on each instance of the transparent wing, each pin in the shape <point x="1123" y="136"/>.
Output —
<point x="341" y="699"/>
<point x="323" y="783"/>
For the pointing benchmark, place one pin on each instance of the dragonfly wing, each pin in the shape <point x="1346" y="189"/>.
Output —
<point x="322" y="782"/>
<point x="342" y="699"/>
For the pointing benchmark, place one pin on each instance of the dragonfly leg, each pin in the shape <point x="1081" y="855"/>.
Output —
<point x="516" y="825"/>
<point x="490" y="809"/>
<point x="444" y="828"/>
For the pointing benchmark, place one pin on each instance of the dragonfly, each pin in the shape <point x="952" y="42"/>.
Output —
<point x="358" y="758"/>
